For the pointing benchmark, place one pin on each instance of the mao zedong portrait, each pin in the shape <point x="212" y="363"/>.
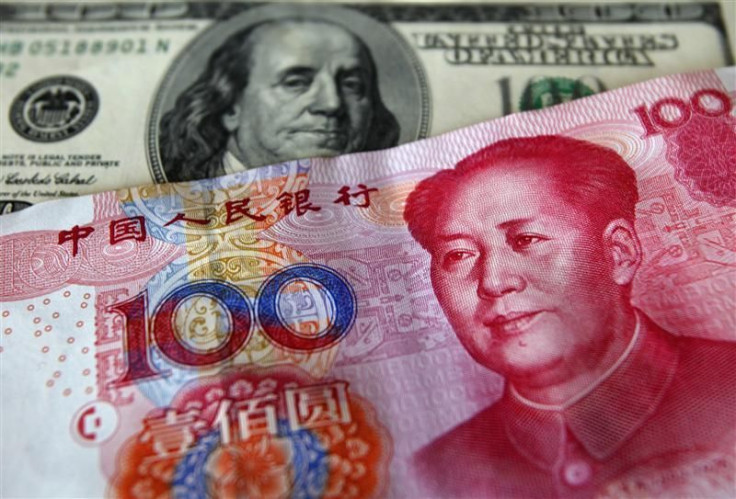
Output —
<point x="276" y="91"/>
<point x="533" y="252"/>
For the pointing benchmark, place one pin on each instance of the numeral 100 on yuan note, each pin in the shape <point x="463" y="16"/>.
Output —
<point x="280" y="303"/>
<point x="671" y="113"/>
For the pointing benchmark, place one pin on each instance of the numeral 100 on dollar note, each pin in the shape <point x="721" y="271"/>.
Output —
<point x="238" y="323"/>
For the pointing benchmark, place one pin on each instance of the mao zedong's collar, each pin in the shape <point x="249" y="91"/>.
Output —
<point x="603" y="417"/>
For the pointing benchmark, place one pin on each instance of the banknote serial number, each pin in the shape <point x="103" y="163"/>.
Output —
<point x="93" y="47"/>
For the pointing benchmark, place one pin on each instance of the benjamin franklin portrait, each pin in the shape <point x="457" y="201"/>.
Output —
<point x="287" y="87"/>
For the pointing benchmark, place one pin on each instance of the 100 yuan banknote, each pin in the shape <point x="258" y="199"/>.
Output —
<point x="104" y="96"/>
<point x="540" y="305"/>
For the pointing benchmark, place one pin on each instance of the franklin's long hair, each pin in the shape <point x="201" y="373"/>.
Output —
<point x="192" y="135"/>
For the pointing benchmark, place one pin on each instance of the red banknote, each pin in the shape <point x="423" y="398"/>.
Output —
<point x="540" y="305"/>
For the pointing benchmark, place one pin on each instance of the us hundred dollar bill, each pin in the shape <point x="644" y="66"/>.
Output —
<point x="100" y="96"/>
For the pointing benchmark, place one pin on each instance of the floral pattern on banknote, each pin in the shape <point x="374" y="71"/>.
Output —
<point x="708" y="177"/>
<point x="231" y="206"/>
<point x="222" y="243"/>
<point x="274" y="432"/>
<point x="49" y="265"/>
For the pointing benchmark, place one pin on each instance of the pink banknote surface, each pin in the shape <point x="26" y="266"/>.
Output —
<point x="540" y="305"/>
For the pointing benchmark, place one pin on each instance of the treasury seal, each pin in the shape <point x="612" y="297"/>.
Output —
<point x="54" y="109"/>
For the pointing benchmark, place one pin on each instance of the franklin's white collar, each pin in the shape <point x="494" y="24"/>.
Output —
<point x="231" y="164"/>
